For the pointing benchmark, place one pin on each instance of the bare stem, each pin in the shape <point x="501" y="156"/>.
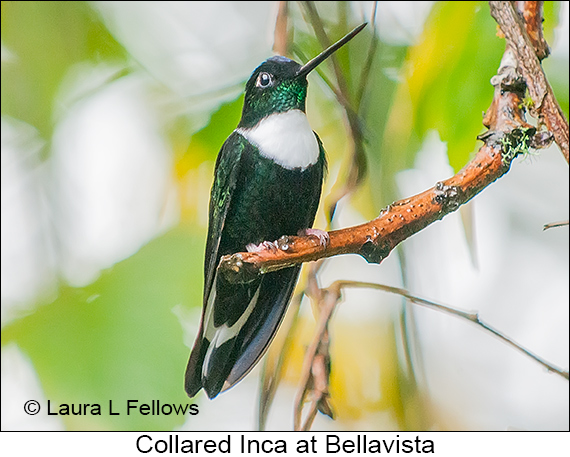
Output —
<point x="329" y="302"/>
<point x="358" y="163"/>
<point x="331" y="299"/>
<point x="556" y="224"/>
<point x="470" y="316"/>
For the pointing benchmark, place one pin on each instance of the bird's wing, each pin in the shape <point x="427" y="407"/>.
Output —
<point x="225" y="178"/>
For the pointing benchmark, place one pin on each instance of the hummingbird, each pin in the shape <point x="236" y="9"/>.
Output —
<point x="267" y="183"/>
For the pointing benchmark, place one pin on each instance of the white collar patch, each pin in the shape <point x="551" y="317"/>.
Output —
<point x="286" y="138"/>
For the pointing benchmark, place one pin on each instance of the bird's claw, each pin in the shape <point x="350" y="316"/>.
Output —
<point x="323" y="236"/>
<point x="269" y="245"/>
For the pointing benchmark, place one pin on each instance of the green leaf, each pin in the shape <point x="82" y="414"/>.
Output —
<point x="449" y="85"/>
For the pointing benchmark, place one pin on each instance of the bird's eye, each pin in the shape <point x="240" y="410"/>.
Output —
<point x="264" y="80"/>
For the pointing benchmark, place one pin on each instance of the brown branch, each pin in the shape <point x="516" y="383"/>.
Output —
<point x="508" y="135"/>
<point x="545" y="104"/>
<point x="532" y="14"/>
<point x="374" y="240"/>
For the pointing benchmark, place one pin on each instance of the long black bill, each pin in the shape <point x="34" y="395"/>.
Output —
<point x="312" y="64"/>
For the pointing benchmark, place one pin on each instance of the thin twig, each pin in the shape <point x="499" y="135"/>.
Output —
<point x="333" y="294"/>
<point x="358" y="164"/>
<point x="280" y="41"/>
<point x="470" y="316"/>
<point x="273" y="366"/>
<point x="272" y="373"/>
<point x="325" y="42"/>
<point x="365" y="75"/>
<point x="556" y="224"/>
<point x="328" y="305"/>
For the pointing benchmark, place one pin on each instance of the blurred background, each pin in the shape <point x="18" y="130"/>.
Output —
<point x="112" y="116"/>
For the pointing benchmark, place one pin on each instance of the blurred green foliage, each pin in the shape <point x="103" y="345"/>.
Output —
<point x="448" y="68"/>
<point x="118" y="338"/>
<point x="47" y="39"/>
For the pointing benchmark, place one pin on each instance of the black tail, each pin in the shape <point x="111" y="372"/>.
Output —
<point x="193" y="377"/>
<point x="230" y="361"/>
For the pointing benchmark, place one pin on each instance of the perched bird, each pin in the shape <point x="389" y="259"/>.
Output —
<point x="267" y="184"/>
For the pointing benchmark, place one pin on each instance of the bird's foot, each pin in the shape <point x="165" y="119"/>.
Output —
<point x="265" y="245"/>
<point x="320" y="234"/>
